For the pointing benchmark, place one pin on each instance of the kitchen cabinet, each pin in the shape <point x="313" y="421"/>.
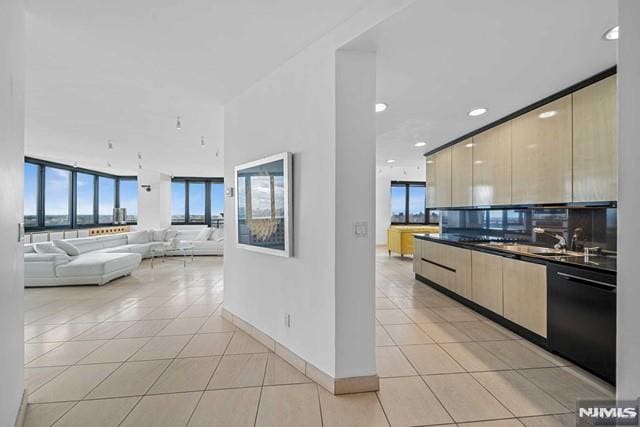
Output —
<point x="492" y="166"/>
<point x="430" y="168"/>
<point x="442" y="196"/>
<point x="447" y="266"/>
<point x="524" y="287"/>
<point x="486" y="282"/>
<point x="541" y="152"/>
<point x="461" y="174"/>
<point x="595" y="142"/>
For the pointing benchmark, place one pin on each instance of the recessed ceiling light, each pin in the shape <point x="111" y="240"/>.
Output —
<point x="380" y="107"/>
<point x="612" y="34"/>
<point x="477" y="112"/>
<point x="429" y="162"/>
<point x="420" y="144"/>
<point x="478" y="162"/>
<point x="469" y="145"/>
<point x="391" y="161"/>
<point x="547" y="114"/>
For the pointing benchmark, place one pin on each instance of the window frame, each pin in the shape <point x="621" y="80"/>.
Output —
<point x="407" y="185"/>
<point x="118" y="182"/>
<point x="73" y="195"/>
<point x="208" y="181"/>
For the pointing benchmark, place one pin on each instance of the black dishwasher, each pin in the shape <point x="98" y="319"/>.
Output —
<point x="581" y="308"/>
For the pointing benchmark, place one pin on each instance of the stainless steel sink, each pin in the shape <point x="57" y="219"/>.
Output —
<point x="532" y="250"/>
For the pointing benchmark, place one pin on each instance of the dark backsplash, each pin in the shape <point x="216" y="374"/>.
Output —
<point x="598" y="224"/>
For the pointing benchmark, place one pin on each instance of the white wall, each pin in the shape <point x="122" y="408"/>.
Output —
<point x="293" y="109"/>
<point x="383" y="197"/>
<point x="11" y="207"/>
<point x="628" y="377"/>
<point x="154" y="207"/>
<point x="355" y="160"/>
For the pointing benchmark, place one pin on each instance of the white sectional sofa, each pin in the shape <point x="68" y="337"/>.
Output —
<point x="101" y="259"/>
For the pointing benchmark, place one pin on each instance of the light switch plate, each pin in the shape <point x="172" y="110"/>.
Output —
<point x="361" y="229"/>
<point x="228" y="191"/>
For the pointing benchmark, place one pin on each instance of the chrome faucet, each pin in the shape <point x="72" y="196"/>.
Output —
<point x="562" y="242"/>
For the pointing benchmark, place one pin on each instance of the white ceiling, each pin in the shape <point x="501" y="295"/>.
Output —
<point x="438" y="59"/>
<point x="124" y="69"/>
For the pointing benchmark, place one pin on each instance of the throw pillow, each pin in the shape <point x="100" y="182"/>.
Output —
<point x="203" y="234"/>
<point x="159" y="235"/>
<point x="217" y="234"/>
<point x="138" y="237"/>
<point x="171" y="234"/>
<point x="70" y="249"/>
<point x="48" y="248"/>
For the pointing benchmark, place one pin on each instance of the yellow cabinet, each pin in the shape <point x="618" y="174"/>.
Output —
<point x="525" y="294"/>
<point x="541" y="152"/>
<point x="492" y="166"/>
<point x="595" y="142"/>
<point x="461" y="170"/>
<point x="486" y="281"/>
<point x="431" y="181"/>
<point x="400" y="237"/>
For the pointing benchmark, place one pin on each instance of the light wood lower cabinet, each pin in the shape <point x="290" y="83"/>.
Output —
<point x="447" y="266"/>
<point x="514" y="289"/>
<point x="525" y="294"/>
<point x="487" y="281"/>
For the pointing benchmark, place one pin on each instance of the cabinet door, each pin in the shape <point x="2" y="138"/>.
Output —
<point x="487" y="280"/>
<point x="443" y="178"/>
<point x="461" y="170"/>
<point x="492" y="166"/>
<point x="417" y="256"/>
<point x="595" y="142"/>
<point x="542" y="154"/>
<point x="431" y="181"/>
<point x="460" y="259"/>
<point x="525" y="294"/>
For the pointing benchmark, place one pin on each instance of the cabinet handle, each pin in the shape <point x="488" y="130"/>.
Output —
<point x="439" y="265"/>
<point x="597" y="283"/>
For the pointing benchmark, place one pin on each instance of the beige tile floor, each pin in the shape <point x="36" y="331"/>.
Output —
<point x="152" y="350"/>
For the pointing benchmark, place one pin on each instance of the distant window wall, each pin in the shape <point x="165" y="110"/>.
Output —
<point x="62" y="196"/>
<point x="197" y="201"/>
<point x="408" y="203"/>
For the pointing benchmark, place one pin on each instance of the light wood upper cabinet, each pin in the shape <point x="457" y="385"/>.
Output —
<point x="541" y="153"/>
<point x="595" y="142"/>
<point x="461" y="174"/>
<point x="525" y="294"/>
<point x="431" y="181"/>
<point x="486" y="280"/>
<point x="443" y="178"/>
<point x="492" y="166"/>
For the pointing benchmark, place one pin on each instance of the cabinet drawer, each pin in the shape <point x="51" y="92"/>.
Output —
<point x="438" y="275"/>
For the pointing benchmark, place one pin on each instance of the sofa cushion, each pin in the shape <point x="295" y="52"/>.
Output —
<point x="98" y="264"/>
<point x="217" y="234"/>
<point x="158" y="235"/>
<point x="124" y="249"/>
<point x="69" y="248"/>
<point x="83" y="244"/>
<point x="114" y="240"/>
<point x="48" y="248"/>
<point x="138" y="237"/>
<point x="29" y="249"/>
<point x="203" y="234"/>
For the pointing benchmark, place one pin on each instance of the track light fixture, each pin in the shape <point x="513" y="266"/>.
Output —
<point x="178" y="123"/>
<point x="109" y="144"/>
<point x="202" y="141"/>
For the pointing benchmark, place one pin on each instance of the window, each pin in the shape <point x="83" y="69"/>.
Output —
<point x="85" y="186"/>
<point x="31" y="184"/>
<point x="398" y="204"/>
<point x="128" y="192"/>
<point x="408" y="203"/>
<point x="197" y="202"/>
<point x="217" y="202"/>
<point x="57" y="196"/>
<point x="178" y="195"/>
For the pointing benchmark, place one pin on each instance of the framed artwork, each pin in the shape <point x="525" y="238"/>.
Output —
<point x="263" y="205"/>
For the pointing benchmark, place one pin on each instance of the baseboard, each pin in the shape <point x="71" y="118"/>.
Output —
<point x="22" y="411"/>
<point x="332" y="385"/>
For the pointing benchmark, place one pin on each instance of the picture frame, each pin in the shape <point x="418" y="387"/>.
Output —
<point x="263" y="205"/>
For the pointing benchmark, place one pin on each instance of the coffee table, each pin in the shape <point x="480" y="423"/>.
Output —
<point x="184" y="252"/>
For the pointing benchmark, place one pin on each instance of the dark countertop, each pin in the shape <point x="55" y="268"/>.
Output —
<point x="599" y="263"/>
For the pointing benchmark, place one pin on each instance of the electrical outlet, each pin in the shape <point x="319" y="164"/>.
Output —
<point x="287" y="320"/>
